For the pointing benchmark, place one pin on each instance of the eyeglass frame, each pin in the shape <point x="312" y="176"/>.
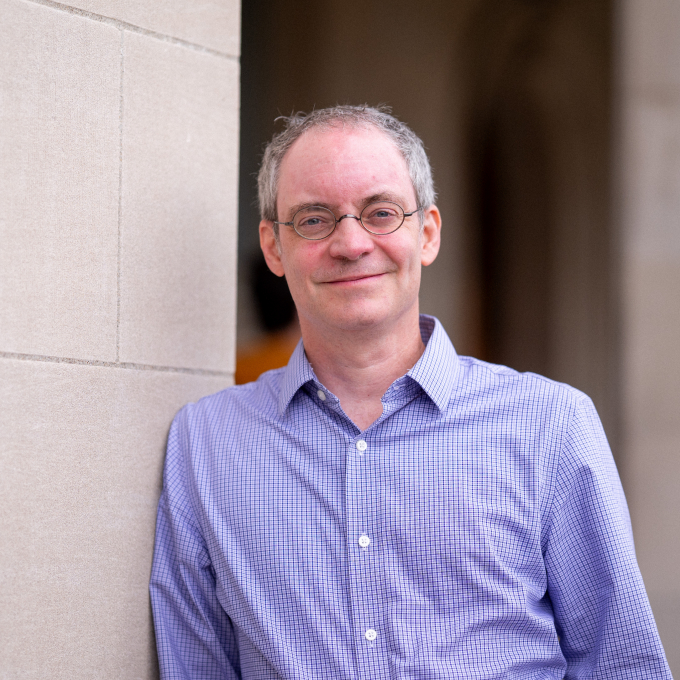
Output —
<point x="354" y="217"/>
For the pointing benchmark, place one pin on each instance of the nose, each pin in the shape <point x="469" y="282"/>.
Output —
<point x="350" y="241"/>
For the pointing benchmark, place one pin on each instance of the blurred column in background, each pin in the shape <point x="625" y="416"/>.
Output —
<point x="118" y="188"/>
<point x="649" y="214"/>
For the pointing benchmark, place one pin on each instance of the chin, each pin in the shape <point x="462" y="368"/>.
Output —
<point x="359" y="320"/>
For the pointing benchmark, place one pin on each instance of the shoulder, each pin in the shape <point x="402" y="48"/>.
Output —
<point x="221" y="426"/>
<point x="506" y="387"/>
<point x="553" y="420"/>
<point x="531" y="407"/>
<point x="545" y="423"/>
<point x="235" y="406"/>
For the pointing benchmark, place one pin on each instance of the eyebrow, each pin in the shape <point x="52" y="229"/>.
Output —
<point x="384" y="196"/>
<point x="307" y="204"/>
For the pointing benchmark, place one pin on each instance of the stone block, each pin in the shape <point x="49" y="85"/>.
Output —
<point x="180" y="165"/>
<point x="652" y="338"/>
<point x="651" y="49"/>
<point x="666" y="608"/>
<point x="651" y="177"/>
<point x="655" y="509"/>
<point x="211" y="23"/>
<point x="81" y="461"/>
<point x="652" y="489"/>
<point x="59" y="144"/>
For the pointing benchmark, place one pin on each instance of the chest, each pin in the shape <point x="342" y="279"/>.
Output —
<point x="447" y="504"/>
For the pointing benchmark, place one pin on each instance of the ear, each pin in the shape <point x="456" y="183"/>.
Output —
<point x="430" y="237"/>
<point x="270" y="247"/>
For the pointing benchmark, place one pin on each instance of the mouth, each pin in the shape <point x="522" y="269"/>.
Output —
<point x="354" y="278"/>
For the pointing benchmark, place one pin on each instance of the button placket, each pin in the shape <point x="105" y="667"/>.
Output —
<point x="362" y="508"/>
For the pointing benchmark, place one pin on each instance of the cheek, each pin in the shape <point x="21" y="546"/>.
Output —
<point x="298" y="268"/>
<point x="302" y="259"/>
<point x="407" y="257"/>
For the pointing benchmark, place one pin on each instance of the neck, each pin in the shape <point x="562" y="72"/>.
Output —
<point x="358" y="366"/>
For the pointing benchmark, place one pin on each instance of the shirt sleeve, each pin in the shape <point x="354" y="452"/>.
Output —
<point x="194" y="635"/>
<point x="602" y="613"/>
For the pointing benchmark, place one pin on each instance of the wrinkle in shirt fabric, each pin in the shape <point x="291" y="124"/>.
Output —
<point x="499" y="538"/>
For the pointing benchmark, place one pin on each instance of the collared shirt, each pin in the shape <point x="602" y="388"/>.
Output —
<point x="477" y="529"/>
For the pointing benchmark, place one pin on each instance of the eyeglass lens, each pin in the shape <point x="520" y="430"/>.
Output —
<point x="315" y="222"/>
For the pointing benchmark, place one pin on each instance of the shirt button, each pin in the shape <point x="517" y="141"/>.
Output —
<point x="362" y="445"/>
<point x="364" y="541"/>
<point x="321" y="394"/>
<point x="370" y="635"/>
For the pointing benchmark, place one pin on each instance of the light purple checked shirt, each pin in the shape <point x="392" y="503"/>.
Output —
<point x="476" y="530"/>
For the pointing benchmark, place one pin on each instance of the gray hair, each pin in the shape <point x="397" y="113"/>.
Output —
<point x="409" y="144"/>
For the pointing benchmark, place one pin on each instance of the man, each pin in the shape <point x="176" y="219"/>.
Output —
<point x="382" y="508"/>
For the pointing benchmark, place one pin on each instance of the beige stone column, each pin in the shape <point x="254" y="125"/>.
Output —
<point x="118" y="181"/>
<point x="649" y="212"/>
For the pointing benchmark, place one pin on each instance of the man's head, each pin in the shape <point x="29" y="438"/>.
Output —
<point x="352" y="279"/>
<point x="407" y="142"/>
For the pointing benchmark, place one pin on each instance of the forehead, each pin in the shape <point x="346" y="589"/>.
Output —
<point x="342" y="164"/>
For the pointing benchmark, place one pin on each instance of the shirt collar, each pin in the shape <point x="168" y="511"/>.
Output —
<point x="435" y="371"/>
<point x="297" y="373"/>
<point x="437" y="368"/>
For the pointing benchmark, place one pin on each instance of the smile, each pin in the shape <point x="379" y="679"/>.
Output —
<point x="355" y="279"/>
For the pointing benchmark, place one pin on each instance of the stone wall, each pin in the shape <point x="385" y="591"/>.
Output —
<point x="118" y="184"/>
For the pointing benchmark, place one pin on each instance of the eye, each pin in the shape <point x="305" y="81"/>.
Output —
<point x="314" y="222"/>
<point x="382" y="217"/>
<point x="381" y="213"/>
<point x="311" y="221"/>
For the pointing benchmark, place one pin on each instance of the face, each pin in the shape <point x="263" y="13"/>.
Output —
<point x="351" y="280"/>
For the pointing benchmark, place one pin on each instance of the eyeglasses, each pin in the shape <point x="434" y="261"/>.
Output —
<point x="379" y="218"/>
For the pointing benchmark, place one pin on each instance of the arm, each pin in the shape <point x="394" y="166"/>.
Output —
<point x="194" y="636"/>
<point x="602" y="613"/>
